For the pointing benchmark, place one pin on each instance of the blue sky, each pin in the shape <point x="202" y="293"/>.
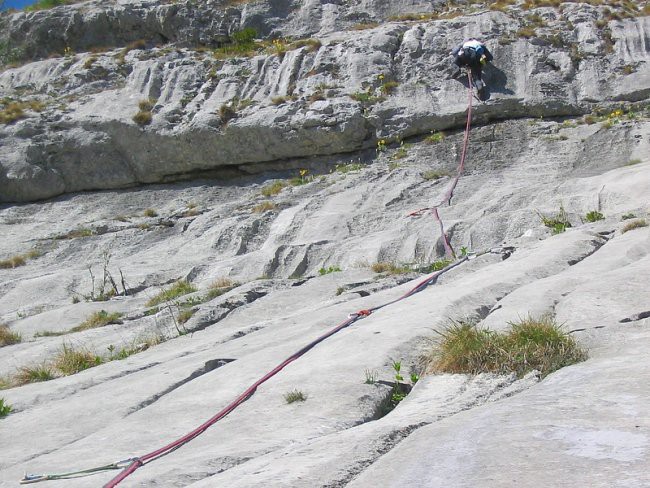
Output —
<point x="17" y="3"/>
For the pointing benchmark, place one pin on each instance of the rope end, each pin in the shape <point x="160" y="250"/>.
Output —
<point x="33" y="478"/>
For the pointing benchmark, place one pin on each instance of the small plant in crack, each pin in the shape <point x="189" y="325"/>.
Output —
<point x="295" y="396"/>
<point x="5" y="408"/>
<point x="371" y="376"/>
<point x="558" y="223"/>
<point x="634" y="224"/>
<point x="594" y="216"/>
<point x="331" y="269"/>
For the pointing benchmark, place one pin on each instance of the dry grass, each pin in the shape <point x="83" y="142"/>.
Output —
<point x="273" y="188"/>
<point x="70" y="360"/>
<point x="264" y="207"/>
<point x="219" y="287"/>
<point x="530" y="344"/>
<point x="185" y="315"/>
<point x="143" y="117"/>
<point x="13" y="110"/>
<point x="180" y="288"/>
<point x="389" y="268"/>
<point x="634" y="224"/>
<point x="32" y="374"/>
<point x="98" y="319"/>
<point x="364" y="26"/>
<point x="150" y="212"/>
<point x="8" y="337"/>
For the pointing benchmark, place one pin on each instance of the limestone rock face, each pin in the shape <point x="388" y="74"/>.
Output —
<point x="276" y="186"/>
<point x="318" y="100"/>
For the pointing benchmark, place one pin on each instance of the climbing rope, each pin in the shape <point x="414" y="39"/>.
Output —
<point x="446" y="199"/>
<point x="129" y="466"/>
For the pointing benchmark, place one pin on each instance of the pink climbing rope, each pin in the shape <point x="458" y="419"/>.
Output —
<point x="449" y="251"/>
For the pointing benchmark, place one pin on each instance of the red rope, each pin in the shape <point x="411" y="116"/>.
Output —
<point x="461" y="166"/>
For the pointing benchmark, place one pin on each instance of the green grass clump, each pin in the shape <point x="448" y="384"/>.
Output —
<point x="98" y="319"/>
<point x="436" y="266"/>
<point x="33" y="374"/>
<point x="389" y="268"/>
<point x="635" y="224"/>
<point x="76" y="234"/>
<point x="435" y="137"/>
<point x="273" y="188"/>
<point x="181" y="287"/>
<point x="5" y="408"/>
<point x="432" y="174"/>
<point x="185" y="315"/>
<point x="594" y="216"/>
<point x="8" y="337"/>
<point x="295" y="396"/>
<point x="48" y="4"/>
<point x="150" y="212"/>
<point x="558" y="223"/>
<point x="70" y="360"/>
<point x="348" y="168"/>
<point x="530" y="344"/>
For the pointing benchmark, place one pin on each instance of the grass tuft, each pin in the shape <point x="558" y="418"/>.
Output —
<point x="389" y="268"/>
<point x="295" y="396"/>
<point x="558" y="223"/>
<point x="181" y="287"/>
<point x="635" y="224"/>
<point x="594" y="216"/>
<point x="273" y="188"/>
<point x="5" y="408"/>
<point x="33" y="374"/>
<point x="530" y="344"/>
<point x="70" y="360"/>
<point x="8" y="337"/>
<point x="98" y="319"/>
<point x="264" y="207"/>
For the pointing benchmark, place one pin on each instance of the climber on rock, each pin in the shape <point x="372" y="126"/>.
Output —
<point x="474" y="54"/>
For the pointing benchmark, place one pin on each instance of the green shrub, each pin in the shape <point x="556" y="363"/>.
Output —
<point x="8" y="337"/>
<point x="150" y="212"/>
<point x="181" y="287"/>
<point x="530" y="344"/>
<point x="389" y="87"/>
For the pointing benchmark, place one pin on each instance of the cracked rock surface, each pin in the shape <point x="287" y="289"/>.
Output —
<point x="292" y="264"/>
